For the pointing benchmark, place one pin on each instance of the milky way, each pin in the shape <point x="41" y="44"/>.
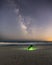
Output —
<point x="26" y="19"/>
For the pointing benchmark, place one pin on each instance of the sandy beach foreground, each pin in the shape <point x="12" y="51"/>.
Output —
<point x="14" y="55"/>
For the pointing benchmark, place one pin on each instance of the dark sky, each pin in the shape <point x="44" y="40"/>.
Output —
<point x="26" y="20"/>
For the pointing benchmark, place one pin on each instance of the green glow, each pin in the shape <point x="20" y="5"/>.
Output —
<point x="32" y="48"/>
<point x="29" y="49"/>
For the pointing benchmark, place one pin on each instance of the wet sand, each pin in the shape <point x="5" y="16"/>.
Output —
<point x="13" y="55"/>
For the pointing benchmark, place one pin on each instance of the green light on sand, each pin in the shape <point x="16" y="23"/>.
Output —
<point x="31" y="48"/>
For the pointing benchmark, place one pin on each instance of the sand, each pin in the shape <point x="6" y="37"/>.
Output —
<point x="13" y="55"/>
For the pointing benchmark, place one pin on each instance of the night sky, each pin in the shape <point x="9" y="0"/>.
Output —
<point x="26" y="20"/>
